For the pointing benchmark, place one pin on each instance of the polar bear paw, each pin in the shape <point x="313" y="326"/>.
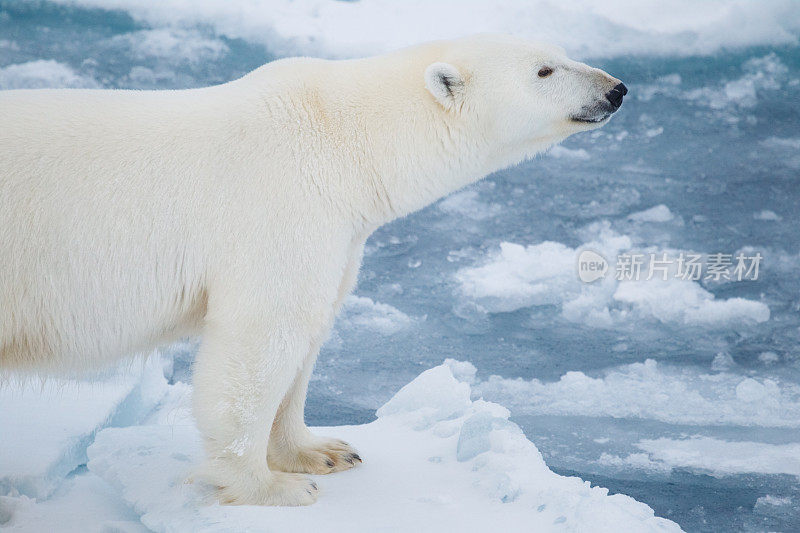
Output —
<point x="283" y="489"/>
<point x="319" y="456"/>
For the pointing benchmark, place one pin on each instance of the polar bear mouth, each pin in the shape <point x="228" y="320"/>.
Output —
<point x="591" y="120"/>
<point x="594" y="114"/>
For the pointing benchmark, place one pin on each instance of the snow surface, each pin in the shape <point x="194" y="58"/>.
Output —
<point x="434" y="460"/>
<point x="84" y="503"/>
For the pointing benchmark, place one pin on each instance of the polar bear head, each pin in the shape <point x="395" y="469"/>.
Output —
<point x="521" y="97"/>
<point x="438" y="116"/>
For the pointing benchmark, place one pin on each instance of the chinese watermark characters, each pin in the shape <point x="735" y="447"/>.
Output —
<point x="715" y="267"/>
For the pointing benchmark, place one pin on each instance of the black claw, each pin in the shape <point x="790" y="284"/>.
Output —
<point x="314" y="485"/>
<point x="357" y="458"/>
<point x="329" y="463"/>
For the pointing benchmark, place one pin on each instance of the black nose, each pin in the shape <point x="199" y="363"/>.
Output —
<point x="615" y="95"/>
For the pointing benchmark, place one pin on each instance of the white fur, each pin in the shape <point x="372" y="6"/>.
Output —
<point x="131" y="218"/>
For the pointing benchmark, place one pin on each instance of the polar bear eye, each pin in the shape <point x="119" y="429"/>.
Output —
<point x="545" y="71"/>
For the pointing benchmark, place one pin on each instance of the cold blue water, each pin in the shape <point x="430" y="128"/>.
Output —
<point x="715" y="139"/>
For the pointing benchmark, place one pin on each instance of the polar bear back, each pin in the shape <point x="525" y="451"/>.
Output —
<point x="102" y="199"/>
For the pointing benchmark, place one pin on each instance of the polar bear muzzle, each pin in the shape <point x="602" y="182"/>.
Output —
<point x="602" y="110"/>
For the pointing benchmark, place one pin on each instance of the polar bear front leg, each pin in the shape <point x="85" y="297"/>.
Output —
<point x="293" y="448"/>
<point x="244" y="369"/>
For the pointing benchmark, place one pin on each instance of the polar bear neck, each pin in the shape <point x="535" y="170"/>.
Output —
<point x="382" y="145"/>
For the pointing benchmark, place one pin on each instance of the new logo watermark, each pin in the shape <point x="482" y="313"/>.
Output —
<point x="685" y="266"/>
<point x="591" y="266"/>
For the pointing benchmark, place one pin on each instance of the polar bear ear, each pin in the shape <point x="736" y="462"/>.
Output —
<point x="445" y="83"/>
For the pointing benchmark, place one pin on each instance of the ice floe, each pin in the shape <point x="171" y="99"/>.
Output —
<point x="434" y="460"/>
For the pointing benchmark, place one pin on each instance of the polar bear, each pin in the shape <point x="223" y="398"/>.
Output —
<point x="239" y="212"/>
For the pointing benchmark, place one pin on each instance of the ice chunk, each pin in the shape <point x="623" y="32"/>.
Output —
<point x="559" y="151"/>
<point x="42" y="74"/>
<point x="543" y="274"/>
<point x="759" y="74"/>
<point x="434" y="461"/>
<point x="435" y="395"/>
<point x="769" y="358"/>
<point x="655" y="132"/>
<point x="363" y="312"/>
<point x="467" y="203"/>
<point x="723" y="457"/>
<point x="654" y="391"/>
<point x="685" y="302"/>
<point x="47" y="426"/>
<point x="773" y="500"/>
<point x="722" y="361"/>
<point x="172" y="44"/>
<point x="783" y="143"/>
<point x="766" y="214"/>
<point x="521" y="276"/>
<point x="462" y="370"/>
<point x="659" y="213"/>
<point x="476" y="434"/>
<point x="636" y="461"/>
<point x="546" y="274"/>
